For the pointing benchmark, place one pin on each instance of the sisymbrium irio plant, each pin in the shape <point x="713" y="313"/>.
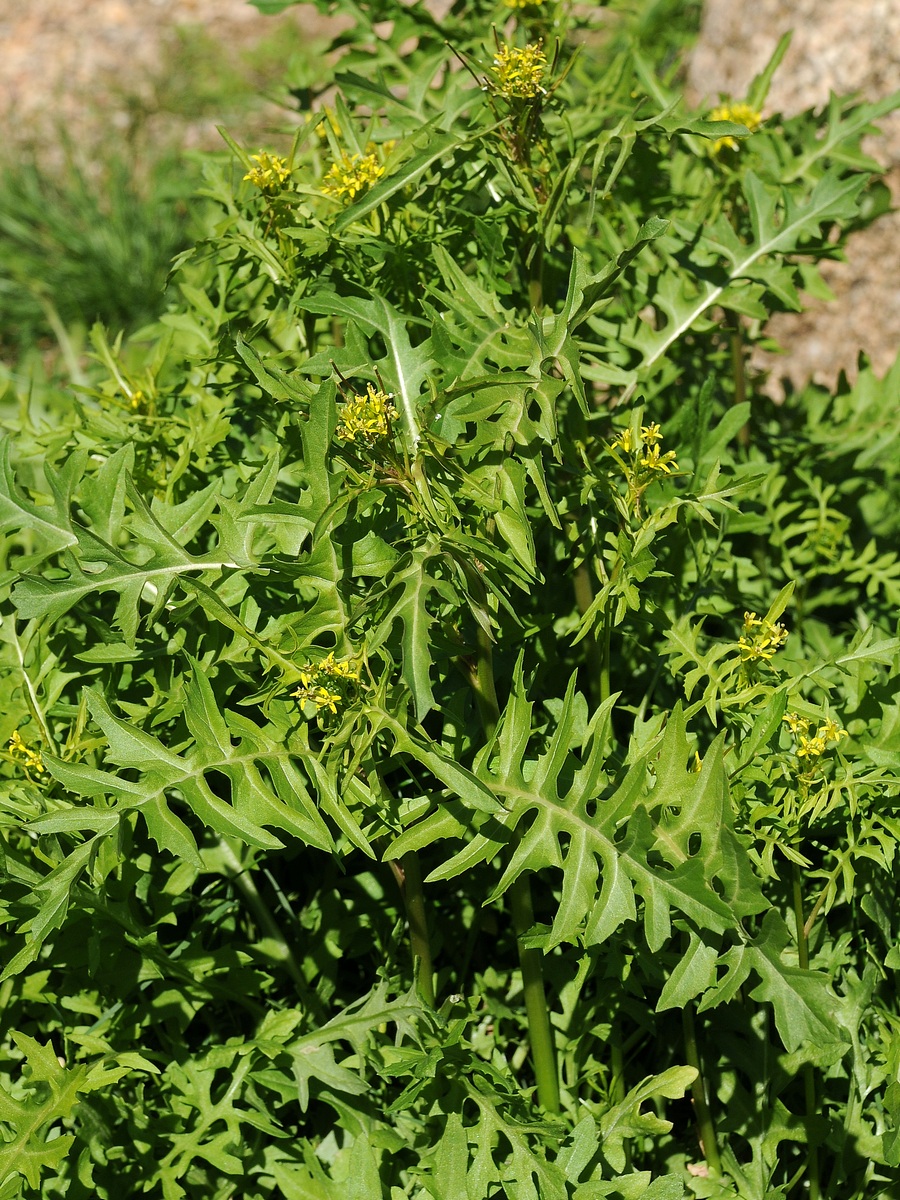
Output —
<point x="451" y="722"/>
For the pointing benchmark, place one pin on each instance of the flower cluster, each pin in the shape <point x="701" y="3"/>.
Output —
<point x="828" y="734"/>
<point x="352" y="174"/>
<point x="523" y="3"/>
<point x="269" y="174"/>
<point x="328" y="684"/>
<point x="367" y="418"/>
<point x="760" y="639"/>
<point x="741" y="114"/>
<point x="520" y="72"/>
<point x="21" y="753"/>
<point x="649" y="461"/>
<point x="645" y="461"/>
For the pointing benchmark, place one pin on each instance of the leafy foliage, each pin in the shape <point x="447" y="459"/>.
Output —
<point x="497" y="797"/>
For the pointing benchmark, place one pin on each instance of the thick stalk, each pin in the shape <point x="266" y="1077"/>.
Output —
<point x="536" y="277"/>
<point x="809" y="1078"/>
<point x="483" y="684"/>
<point x="408" y="873"/>
<point x="705" y="1123"/>
<point x="543" y="1051"/>
<point x="605" y="651"/>
<point x="618" y="1089"/>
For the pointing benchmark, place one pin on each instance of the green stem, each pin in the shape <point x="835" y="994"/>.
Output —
<point x="543" y="1050"/>
<point x="536" y="276"/>
<point x="408" y="873"/>
<point x="618" y="1089"/>
<point x="618" y="1064"/>
<point x="605" y="651"/>
<point x="244" y="882"/>
<point x="809" y="1078"/>
<point x="483" y="684"/>
<point x="705" y="1123"/>
<point x="597" y="664"/>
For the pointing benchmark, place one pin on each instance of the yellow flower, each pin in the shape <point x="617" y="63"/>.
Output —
<point x="20" y="752"/>
<point x="760" y="639"/>
<point x="646" y="463"/>
<point x="813" y="747"/>
<point x="798" y="726"/>
<point x="520" y="72"/>
<point x="828" y="733"/>
<point x="328" y="683"/>
<point x="270" y="173"/>
<point x="832" y="732"/>
<point x="653" y="463"/>
<point x="354" y="173"/>
<point x="523" y="3"/>
<point x="367" y="418"/>
<point x="742" y="114"/>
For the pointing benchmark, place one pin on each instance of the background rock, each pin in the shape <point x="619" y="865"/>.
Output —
<point x="842" y="46"/>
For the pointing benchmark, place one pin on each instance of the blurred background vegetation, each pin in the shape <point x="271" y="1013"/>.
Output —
<point x="92" y="215"/>
<point x="89" y="224"/>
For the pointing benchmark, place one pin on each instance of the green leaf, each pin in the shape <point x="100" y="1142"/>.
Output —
<point x="695" y="972"/>
<point x="266" y="787"/>
<point x="32" y="1117"/>
<point x="626" y="1120"/>
<point x="50" y="525"/>
<point x="407" y="174"/>
<point x="804" y="1006"/>
<point x="602" y="827"/>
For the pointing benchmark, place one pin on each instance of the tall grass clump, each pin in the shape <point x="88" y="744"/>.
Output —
<point x="80" y="245"/>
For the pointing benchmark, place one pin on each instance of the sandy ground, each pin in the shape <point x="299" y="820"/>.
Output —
<point x="90" y="65"/>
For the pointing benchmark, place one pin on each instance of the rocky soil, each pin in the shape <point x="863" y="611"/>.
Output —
<point x="841" y="46"/>
<point x="94" y="67"/>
